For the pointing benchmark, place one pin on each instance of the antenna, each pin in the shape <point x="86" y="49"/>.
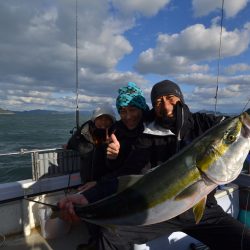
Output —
<point x="77" y="94"/>
<point x="218" y="64"/>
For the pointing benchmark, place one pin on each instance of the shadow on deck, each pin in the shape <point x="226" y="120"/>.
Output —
<point x="78" y="234"/>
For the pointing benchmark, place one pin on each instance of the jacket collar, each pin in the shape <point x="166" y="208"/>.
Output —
<point x="85" y="131"/>
<point x="153" y="128"/>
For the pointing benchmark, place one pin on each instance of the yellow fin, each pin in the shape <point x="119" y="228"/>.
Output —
<point x="198" y="209"/>
<point x="189" y="191"/>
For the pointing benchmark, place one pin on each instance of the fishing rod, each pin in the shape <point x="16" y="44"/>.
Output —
<point x="245" y="105"/>
<point x="77" y="82"/>
<point x="54" y="208"/>
<point x="219" y="58"/>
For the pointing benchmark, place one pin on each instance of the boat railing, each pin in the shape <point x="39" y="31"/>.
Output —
<point x="50" y="162"/>
<point x="54" y="162"/>
<point x="53" y="169"/>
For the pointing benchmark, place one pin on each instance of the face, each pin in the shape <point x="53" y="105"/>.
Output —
<point x="164" y="106"/>
<point x="103" y="121"/>
<point x="130" y="116"/>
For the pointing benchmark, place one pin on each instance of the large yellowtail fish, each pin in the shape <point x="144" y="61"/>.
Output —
<point x="181" y="183"/>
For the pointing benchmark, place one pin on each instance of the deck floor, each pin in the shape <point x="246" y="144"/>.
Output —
<point x="78" y="234"/>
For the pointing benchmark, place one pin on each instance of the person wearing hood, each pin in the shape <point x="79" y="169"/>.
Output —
<point x="132" y="108"/>
<point x="90" y="141"/>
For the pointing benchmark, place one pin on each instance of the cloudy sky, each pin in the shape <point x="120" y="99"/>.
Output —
<point x="119" y="41"/>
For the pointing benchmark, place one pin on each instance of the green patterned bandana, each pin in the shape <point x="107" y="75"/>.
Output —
<point x="131" y="95"/>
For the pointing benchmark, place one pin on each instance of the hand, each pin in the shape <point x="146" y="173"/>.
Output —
<point x="87" y="186"/>
<point x="66" y="205"/>
<point x="113" y="148"/>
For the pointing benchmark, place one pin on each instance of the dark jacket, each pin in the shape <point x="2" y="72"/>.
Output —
<point x="127" y="139"/>
<point x="156" y="145"/>
<point x="109" y="183"/>
<point x="91" y="151"/>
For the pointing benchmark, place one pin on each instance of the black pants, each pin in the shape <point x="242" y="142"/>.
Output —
<point x="217" y="229"/>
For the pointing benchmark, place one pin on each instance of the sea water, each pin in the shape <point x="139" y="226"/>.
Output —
<point x="30" y="131"/>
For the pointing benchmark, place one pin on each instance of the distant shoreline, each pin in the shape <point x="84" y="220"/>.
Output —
<point x="41" y="112"/>
<point x="6" y="112"/>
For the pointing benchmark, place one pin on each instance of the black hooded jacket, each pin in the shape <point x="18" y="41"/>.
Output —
<point x="127" y="139"/>
<point x="92" y="152"/>
<point x="157" y="145"/>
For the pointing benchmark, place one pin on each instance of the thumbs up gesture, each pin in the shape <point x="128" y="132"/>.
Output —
<point x="113" y="147"/>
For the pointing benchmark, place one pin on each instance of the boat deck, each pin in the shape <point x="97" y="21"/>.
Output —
<point x="228" y="198"/>
<point x="78" y="234"/>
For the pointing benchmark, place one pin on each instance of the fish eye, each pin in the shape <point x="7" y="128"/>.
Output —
<point x="230" y="138"/>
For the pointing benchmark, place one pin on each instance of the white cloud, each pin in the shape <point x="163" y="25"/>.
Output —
<point x="235" y="68"/>
<point x="233" y="91"/>
<point x="181" y="52"/>
<point x="224" y="92"/>
<point x="231" y="7"/>
<point x="197" y="79"/>
<point x="37" y="48"/>
<point x="106" y="49"/>
<point x="45" y="39"/>
<point x="208" y="80"/>
<point x="145" y="7"/>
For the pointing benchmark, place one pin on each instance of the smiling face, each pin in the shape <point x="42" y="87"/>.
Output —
<point x="164" y="106"/>
<point x="130" y="116"/>
<point x="103" y="121"/>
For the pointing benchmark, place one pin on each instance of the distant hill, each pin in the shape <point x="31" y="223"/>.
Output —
<point x="217" y="113"/>
<point x="209" y="112"/>
<point x="51" y="112"/>
<point x="6" y="112"/>
<point x="38" y="112"/>
<point x="45" y="112"/>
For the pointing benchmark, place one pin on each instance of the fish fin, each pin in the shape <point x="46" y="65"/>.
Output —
<point x="127" y="181"/>
<point x="187" y="192"/>
<point x="198" y="209"/>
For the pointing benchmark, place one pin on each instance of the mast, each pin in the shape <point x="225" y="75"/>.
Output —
<point x="77" y="94"/>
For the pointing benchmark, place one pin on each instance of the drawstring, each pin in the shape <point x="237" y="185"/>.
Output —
<point x="180" y="118"/>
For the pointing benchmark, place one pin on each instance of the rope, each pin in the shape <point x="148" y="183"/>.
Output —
<point x="219" y="58"/>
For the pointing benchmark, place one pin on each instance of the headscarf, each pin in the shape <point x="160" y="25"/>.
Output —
<point x="131" y="95"/>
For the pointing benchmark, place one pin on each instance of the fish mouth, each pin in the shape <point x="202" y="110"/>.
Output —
<point x="207" y="180"/>
<point x="218" y="166"/>
<point x="245" y="118"/>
